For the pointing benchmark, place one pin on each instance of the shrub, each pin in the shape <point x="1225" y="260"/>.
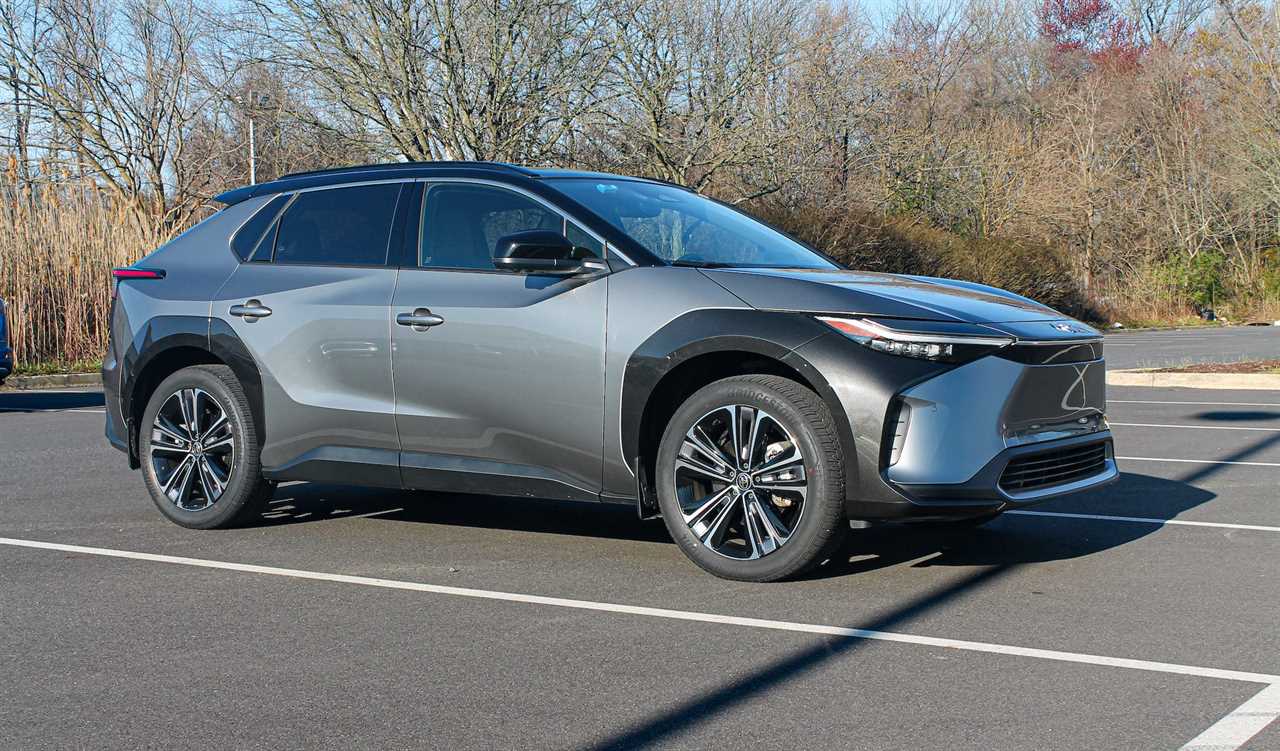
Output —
<point x="864" y="241"/>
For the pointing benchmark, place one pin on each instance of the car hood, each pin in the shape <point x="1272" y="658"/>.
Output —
<point x="872" y="294"/>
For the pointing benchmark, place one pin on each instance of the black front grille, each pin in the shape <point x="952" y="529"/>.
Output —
<point x="1058" y="467"/>
<point x="1059" y="353"/>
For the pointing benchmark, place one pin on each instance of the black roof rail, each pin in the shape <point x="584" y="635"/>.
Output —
<point x="408" y="165"/>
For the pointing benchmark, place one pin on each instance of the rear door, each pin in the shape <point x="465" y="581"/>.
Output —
<point x="503" y="393"/>
<point x="311" y="305"/>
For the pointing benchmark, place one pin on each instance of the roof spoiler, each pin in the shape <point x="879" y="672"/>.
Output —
<point x="232" y="197"/>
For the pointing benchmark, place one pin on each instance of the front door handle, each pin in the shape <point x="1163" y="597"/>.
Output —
<point x="253" y="309"/>
<point x="420" y="319"/>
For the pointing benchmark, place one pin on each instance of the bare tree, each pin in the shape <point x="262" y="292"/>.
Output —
<point x="449" y="79"/>
<point x="697" y="91"/>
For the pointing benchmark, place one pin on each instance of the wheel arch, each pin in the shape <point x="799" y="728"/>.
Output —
<point x="700" y="348"/>
<point x="170" y="343"/>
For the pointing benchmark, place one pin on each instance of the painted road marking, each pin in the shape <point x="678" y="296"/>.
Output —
<point x="1238" y="727"/>
<point x="1146" y="520"/>
<point x="680" y="615"/>
<point x="1190" y="427"/>
<point x="1195" y="461"/>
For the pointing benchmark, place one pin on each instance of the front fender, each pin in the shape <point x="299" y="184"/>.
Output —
<point x="769" y="335"/>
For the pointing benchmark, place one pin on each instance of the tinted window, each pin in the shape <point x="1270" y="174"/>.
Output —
<point x="342" y="226"/>
<point x="251" y="232"/>
<point x="461" y="224"/>
<point x="579" y="237"/>
<point x="682" y="227"/>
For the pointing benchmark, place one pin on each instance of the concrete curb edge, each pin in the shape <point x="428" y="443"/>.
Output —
<point x="61" y="380"/>
<point x="1242" y="381"/>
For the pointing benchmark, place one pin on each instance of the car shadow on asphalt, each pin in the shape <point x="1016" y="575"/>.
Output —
<point x="310" y="502"/>
<point x="46" y="401"/>
<point x="1008" y="540"/>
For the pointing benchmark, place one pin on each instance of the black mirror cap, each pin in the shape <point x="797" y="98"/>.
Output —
<point x="534" y="243"/>
<point x="546" y="251"/>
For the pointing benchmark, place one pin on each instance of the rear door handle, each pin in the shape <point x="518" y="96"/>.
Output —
<point x="251" y="309"/>
<point x="420" y="319"/>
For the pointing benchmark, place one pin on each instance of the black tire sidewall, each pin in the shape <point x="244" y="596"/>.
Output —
<point x="822" y="519"/>
<point x="244" y="482"/>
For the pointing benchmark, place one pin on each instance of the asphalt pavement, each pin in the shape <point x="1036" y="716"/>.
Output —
<point x="1140" y="616"/>
<point x="1153" y="349"/>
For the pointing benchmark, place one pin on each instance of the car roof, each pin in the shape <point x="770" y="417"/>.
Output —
<point x="365" y="172"/>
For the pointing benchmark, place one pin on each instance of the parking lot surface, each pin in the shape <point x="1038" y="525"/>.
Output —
<point x="1140" y="616"/>
<point x="1153" y="349"/>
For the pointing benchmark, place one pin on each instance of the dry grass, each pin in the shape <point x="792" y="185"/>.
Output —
<point x="57" y="249"/>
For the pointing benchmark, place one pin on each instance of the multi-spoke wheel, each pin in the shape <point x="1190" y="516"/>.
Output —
<point x="751" y="478"/>
<point x="740" y="481"/>
<point x="192" y="449"/>
<point x="200" y="450"/>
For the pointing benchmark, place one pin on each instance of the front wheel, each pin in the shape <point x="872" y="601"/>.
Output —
<point x="750" y="477"/>
<point x="200" y="449"/>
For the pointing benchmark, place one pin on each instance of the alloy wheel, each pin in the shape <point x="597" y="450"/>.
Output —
<point x="740" y="481"/>
<point x="192" y="450"/>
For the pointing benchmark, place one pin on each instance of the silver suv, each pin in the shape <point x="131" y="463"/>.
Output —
<point x="487" y="328"/>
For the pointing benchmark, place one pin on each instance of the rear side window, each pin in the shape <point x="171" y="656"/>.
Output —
<point x="252" y="231"/>
<point x="338" y="227"/>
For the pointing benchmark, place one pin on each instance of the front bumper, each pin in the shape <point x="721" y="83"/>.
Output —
<point x="933" y="441"/>
<point x="990" y="491"/>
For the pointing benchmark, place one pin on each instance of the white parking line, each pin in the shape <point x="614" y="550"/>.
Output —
<point x="1238" y="727"/>
<point x="679" y="615"/>
<point x="1146" y="520"/>
<point x="1190" y="427"/>
<point x="1195" y="461"/>
<point x="1210" y="404"/>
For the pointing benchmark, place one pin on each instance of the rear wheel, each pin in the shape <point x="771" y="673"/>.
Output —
<point x="200" y="449"/>
<point x="751" y="479"/>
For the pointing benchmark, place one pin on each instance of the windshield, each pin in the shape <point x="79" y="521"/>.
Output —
<point x="684" y="228"/>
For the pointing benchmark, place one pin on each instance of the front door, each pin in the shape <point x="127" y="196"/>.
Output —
<point x="311" y="306"/>
<point x="499" y="376"/>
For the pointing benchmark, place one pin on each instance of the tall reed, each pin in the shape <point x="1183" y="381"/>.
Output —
<point x="58" y="244"/>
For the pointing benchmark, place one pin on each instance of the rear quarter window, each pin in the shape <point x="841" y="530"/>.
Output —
<point x="251" y="232"/>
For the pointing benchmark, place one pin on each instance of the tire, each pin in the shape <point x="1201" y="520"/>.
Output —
<point x="730" y="541"/>
<point x="194" y="500"/>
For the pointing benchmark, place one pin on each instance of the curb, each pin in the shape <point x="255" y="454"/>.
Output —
<point x="53" y="381"/>
<point x="1242" y="381"/>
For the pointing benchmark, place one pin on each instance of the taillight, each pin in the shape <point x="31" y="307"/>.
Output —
<point x="132" y="272"/>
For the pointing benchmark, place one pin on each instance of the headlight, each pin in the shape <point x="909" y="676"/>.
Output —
<point x="923" y="345"/>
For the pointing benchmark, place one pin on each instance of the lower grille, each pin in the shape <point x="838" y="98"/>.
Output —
<point x="1058" y="467"/>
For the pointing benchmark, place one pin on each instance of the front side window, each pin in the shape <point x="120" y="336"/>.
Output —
<point x="338" y="227"/>
<point x="462" y="224"/>
<point x="684" y="228"/>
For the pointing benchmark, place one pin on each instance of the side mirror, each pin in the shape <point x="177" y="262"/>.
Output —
<point x="544" y="251"/>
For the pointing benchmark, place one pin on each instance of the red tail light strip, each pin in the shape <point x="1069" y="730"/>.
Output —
<point x="130" y="272"/>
